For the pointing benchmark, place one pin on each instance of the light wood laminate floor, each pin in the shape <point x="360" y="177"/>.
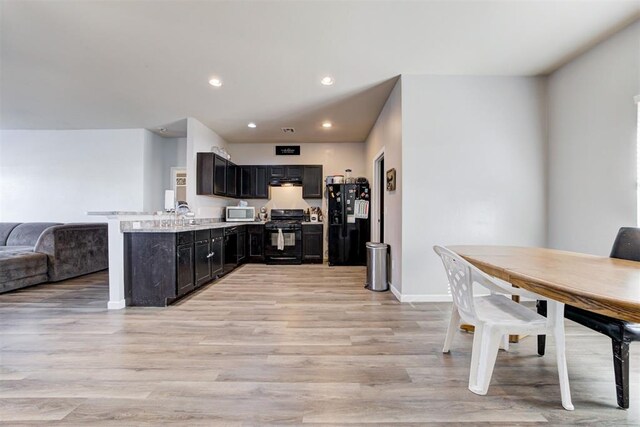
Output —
<point x="278" y="345"/>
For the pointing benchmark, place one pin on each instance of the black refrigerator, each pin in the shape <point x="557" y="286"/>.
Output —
<point x="349" y="226"/>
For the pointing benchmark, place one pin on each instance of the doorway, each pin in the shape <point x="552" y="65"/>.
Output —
<point x="378" y="190"/>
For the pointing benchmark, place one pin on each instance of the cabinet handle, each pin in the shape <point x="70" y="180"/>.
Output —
<point x="211" y="254"/>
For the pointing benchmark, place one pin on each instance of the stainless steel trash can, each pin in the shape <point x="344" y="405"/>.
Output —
<point x="377" y="259"/>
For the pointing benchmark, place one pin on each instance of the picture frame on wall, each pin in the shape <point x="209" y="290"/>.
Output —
<point x="391" y="179"/>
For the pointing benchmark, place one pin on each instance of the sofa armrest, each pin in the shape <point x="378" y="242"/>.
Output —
<point x="74" y="249"/>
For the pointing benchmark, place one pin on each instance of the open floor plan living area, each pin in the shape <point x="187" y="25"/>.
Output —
<point x="248" y="213"/>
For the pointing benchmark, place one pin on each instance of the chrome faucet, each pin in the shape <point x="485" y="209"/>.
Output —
<point x="182" y="210"/>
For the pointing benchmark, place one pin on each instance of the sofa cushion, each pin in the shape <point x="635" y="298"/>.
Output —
<point x="5" y="230"/>
<point x="19" y="265"/>
<point x="27" y="234"/>
<point x="16" y="248"/>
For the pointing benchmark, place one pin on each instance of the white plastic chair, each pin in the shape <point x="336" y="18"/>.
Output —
<point x="494" y="317"/>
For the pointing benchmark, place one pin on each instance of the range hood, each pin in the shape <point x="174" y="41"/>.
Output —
<point x="286" y="182"/>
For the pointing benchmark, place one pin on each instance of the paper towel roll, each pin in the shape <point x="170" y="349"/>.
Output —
<point x="169" y="200"/>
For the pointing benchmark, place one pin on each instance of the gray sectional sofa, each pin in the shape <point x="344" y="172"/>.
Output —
<point x="38" y="252"/>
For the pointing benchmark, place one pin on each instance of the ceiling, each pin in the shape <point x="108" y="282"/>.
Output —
<point x="145" y="64"/>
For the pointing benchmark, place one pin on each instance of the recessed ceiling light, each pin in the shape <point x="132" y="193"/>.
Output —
<point x="327" y="81"/>
<point x="327" y="125"/>
<point x="251" y="125"/>
<point x="163" y="130"/>
<point x="216" y="82"/>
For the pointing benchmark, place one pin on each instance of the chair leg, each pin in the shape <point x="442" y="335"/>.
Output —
<point x="489" y="350"/>
<point x="541" y="307"/>
<point x="556" y="313"/>
<point x="453" y="327"/>
<point x="476" y="349"/>
<point x="621" y="369"/>
<point x="504" y="342"/>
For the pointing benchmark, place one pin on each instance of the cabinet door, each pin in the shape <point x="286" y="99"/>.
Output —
<point x="245" y="174"/>
<point x="242" y="246"/>
<point x="256" y="244"/>
<point x="219" y="176"/>
<point x="184" y="268"/>
<point x="294" y="171"/>
<point x="312" y="187"/>
<point x="203" y="262"/>
<point x="276" y="172"/>
<point x="217" y="257"/>
<point x="232" y="179"/>
<point x="312" y="243"/>
<point x="259" y="182"/>
<point x="204" y="174"/>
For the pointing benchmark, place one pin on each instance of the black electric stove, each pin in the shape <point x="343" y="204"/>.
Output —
<point x="285" y="248"/>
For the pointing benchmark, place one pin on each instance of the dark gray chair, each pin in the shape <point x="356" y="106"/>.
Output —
<point x="626" y="246"/>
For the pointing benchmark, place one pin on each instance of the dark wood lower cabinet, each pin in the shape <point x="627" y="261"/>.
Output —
<point x="312" y="243"/>
<point x="162" y="267"/>
<point x="255" y="244"/>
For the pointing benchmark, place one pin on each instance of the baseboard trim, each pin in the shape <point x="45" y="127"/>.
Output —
<point x="116" y="305"/>
<point x="396" y="293"/>
<point x="426" y="298"/>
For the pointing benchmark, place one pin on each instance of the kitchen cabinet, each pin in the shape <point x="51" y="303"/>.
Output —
<point x="253" y="182"/>
<point x="204" y="175"/>
<point x="232" y="179"/>
<point x="217" y="249"/>
<point x="312" y="185"/>
<point x="246" y="187"/>
<point x="294" y="171"/>
<point x="255" y="244"/>
<point x="185" y="269"/>
<point x="242" y="245"/>
<point x="312" y="243"/>
<point x="259" y="182"/>
<point x="277" y="171"/>
<point x="219" y="176"/>
<point x="158" y="267"/>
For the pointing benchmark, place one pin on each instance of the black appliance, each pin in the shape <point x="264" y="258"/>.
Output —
<point x="230" y="249"/>
<point x="289" y="222"/>
<point x="349" y="225"/>
<point x="286" y="182"/>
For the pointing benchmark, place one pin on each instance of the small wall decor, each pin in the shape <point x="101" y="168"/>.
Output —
<point x="391" y="179"/>
<point x="287" y="150"/>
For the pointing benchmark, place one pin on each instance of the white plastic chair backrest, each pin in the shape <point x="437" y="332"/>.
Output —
<point x="460" y="276"/>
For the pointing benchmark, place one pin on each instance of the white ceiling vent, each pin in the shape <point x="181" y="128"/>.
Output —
<point x="288" y="130"/>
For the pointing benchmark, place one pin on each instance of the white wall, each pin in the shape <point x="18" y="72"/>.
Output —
<point x="59" y="175"/>
<point x="473" y="170"/>
<point x="592" y="145"/>
<point x="387" y="134"/>
<point x="200" y="139"/>
<point x="160" y="155"/>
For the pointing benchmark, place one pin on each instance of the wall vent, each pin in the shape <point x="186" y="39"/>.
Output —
<point x="288" y="130"/>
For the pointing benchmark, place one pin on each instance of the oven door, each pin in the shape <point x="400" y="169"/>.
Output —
<point x="291" y="253"/>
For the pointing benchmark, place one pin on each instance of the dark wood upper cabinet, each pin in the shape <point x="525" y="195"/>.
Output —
<point x="312" y="187"/>
<point x="277" y="171"/>
<point x="246" y="187"/>
<point x="204" y="179"/>
<point x="232" y="180"/>
<point x="259" y="182"/>
<point x="219" y="176"/>
<point x="294" y="171"/>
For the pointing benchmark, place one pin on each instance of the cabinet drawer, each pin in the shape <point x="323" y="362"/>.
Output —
<point x="217" y="232"/>
<point x="202" y="235"/>
<point x="185" y="237"/>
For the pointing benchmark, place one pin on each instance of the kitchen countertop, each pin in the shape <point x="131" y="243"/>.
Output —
<point x="144" y="228"/>
<point x="312" y="223"/>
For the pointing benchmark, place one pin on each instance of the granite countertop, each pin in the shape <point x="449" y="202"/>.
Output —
<point x="148" y="228"/>
<point x="312" y="223"/>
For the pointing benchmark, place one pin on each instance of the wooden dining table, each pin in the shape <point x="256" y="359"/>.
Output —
<point x="603" y="285"/>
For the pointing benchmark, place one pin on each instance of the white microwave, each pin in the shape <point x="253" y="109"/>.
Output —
<point x="240" y="213"/>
